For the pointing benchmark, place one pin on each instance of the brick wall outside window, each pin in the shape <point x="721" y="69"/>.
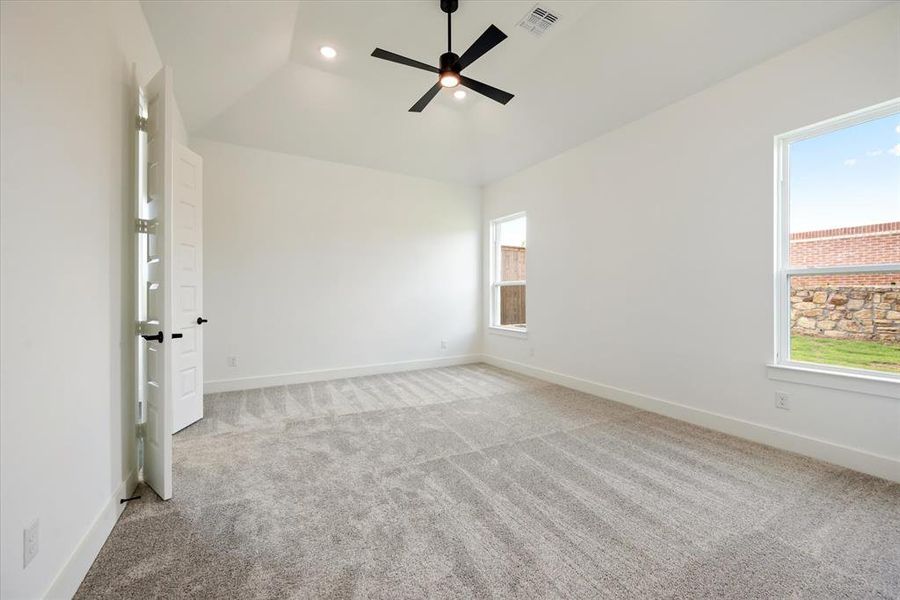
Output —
<point x="866" y="244"/>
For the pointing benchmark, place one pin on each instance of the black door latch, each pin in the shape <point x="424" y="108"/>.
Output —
<point x="159" y="337"/>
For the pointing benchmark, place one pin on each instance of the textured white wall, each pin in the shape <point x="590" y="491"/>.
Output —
<point x="650" y="249"/>
<point x="67" y="409"/>
<point x="312" y="265"/>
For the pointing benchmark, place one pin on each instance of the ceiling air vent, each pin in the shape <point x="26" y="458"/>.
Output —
<point x="539" y="20"/>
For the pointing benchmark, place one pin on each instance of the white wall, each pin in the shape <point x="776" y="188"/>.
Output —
<point x="67" y="410"/>
<point x="312" y="265"/>
<point x="650" y="252"/>
<point x="673" y="207"/>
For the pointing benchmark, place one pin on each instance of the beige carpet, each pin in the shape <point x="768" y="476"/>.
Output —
<point x="473" y="482"/>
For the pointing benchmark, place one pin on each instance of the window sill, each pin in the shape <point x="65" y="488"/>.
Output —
<point x="837" y="379"/>
<point x="508" y="331"/>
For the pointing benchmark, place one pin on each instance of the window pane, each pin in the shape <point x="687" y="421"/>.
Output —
<point x="847" y="320"/>
<point x="845" y="196"/>
<point x="510" y="256"/>
<point x="511" y="236"/>
<point x="512" y="263"/>
<point x="512" y="306"/>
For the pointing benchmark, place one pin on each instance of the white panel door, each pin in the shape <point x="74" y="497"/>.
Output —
<point x="155" y="283"/>
<point x="187" y="241"/>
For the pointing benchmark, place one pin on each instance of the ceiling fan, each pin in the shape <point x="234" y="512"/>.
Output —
<point x="452" y="65"/>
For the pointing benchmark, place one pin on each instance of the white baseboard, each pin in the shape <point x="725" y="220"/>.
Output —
<point x="71" y="575"/>
<point x="249" y="383"/>
<point x="845" y="456"/>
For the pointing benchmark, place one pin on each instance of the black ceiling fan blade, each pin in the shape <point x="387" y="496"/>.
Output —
<point x="487" y="40"/>
<point x="428" y="97"/>
<point x="385" y="55"/>
<point x="486" y="90"/>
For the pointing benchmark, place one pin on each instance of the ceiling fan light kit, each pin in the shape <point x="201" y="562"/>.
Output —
<point x="451" y="65"/>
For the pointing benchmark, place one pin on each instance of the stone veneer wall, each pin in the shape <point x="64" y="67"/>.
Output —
<point x="859" y="313"/>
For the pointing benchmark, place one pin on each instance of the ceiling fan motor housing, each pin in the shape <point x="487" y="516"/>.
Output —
<point x="448" y="59"/>
<point x="449" y="6"/>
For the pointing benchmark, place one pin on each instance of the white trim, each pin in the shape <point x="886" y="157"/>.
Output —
<point x="884" y="109"/>
<point x="261" y="381"/>
<point x="510" y="331"/>
<point x="506" y="283"/>
<point x="511" y="217"/>
<point x="845" y="456"/>
<point x="856" y="269"/>
<point x="782" y="239"/>
<point x="850" y="380"/>
<point x="79" y="562"/>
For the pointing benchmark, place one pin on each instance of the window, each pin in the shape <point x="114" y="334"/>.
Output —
<point x="838" y="254"/>
<point x="508" y="257"/>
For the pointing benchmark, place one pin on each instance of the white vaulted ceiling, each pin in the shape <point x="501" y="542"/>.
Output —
<point x="249" y="73"/>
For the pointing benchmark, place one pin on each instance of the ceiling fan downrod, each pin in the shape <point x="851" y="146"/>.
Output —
<point x="448" y="59"/>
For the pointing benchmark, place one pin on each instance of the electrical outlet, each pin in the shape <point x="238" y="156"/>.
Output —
<point x="443" y="344"/>
<point x="782" y="401"/>
<point x="232" y="361"/>
<point x="531" y="352"/>
<point x="30" y="545"/>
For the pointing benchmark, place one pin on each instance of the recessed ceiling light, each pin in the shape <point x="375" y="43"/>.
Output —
<point x="327" y="51"/>
<point x="459" y="94"/>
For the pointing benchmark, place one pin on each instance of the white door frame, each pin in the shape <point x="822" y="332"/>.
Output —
<point x="154" y="281"/>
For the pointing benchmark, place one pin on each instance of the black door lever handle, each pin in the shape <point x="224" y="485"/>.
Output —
<point x="154" y="338"/>
<point x="175" y="336"/>
<point x="201" y="320"/>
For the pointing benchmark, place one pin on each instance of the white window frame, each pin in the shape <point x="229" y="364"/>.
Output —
<point x="496" y="281"/>
<point x="784" y="368"/>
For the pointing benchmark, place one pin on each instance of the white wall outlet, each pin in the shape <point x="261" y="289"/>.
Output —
<point x="232" y="361"/>
<point x="443" y="344"/>
<point x="782" y="401"/>
<point x="30" y="542"/>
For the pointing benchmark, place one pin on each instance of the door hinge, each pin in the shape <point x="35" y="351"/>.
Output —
<point x="143" y="225"/>
<point x="141" y="429"/>
<point x="142" y="123"/>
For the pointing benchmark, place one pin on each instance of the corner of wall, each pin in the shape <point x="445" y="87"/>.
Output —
<point x="79" y="562"/>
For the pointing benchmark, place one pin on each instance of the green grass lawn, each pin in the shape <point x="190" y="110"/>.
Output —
<point x="846" y="353"/>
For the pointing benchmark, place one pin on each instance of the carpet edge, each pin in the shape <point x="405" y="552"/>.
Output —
<point x="856" y="459"/>
<point x="263" y="381"/>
